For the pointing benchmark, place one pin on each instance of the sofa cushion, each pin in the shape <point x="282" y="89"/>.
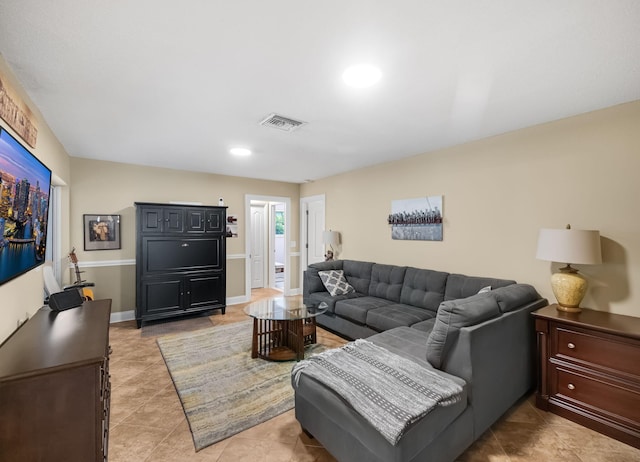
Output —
<point x="461" y="286"/>
<point x="355" y="309"/>
<point x="335" y="282"/>
<point x="327" y="265"/>
<point x="358" y="274"/>
<point x="454" y="314"/>
<point x="396" y="315"/>
<point x="386" y="281"/>
<point x="423" y="288"/>
<point x="316" y="298"/>
<point x="425" y="326"/>
<point x="514" y="296"/>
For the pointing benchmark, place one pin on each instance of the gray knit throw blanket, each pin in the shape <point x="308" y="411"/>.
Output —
<point x="389" y="391"/>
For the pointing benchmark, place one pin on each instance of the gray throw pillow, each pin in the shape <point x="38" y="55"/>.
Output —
<point x="335" y="282"/>
<point x="454" y="314"/>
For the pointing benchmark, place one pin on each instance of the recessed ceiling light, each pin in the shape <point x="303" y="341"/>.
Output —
<point x="240" y="152"/>
<point x="361" y="75"/>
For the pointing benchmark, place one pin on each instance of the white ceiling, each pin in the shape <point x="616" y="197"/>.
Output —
<point x="176" y="84"/>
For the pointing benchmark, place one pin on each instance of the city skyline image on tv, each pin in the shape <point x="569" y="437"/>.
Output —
<point x="24" y="205"/>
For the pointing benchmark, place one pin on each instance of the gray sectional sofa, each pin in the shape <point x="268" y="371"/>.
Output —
<point x="482" y="341"/>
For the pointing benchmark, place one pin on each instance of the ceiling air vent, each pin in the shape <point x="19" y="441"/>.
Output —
<point x="281" y="123"/>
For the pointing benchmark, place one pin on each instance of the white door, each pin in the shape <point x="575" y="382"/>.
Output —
<point x="315" y="227"/>
<point x="258" y="245"/>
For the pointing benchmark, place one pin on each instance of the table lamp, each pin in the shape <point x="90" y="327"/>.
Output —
<point x="569" y="246"/>
<point x="330" y="238"/>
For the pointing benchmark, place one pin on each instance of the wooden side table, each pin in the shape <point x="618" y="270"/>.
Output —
<point x="589" y="370"/>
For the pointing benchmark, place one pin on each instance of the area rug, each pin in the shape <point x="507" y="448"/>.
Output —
<point x="223" y="391"/>
<point x="173" y="327"/>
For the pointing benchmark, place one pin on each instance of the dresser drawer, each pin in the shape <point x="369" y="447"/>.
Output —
<point x="616" y="400"/>
<point x="589" y="370"/>
<point x="605" y="352"/>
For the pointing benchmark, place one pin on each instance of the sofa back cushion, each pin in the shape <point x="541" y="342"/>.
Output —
<point x="514" y="296"/>
<point x="453" y="315"/>
<point x="386" y="281"/>
<point x="461" y="286"/>
<point x="423" y="288"/>
<point x="358" y="274"/>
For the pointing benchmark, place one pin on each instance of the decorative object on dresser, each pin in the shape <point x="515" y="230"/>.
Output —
<point x="180" y="260"/>
<point x="569" y="246"/>
<point x="589" y="370"/>
<point x="54" y="386"/>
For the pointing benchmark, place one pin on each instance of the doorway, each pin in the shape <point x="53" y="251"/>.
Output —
<point x="267" y="243"/>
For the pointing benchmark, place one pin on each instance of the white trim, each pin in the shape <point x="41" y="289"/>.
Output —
<point x="236" y="256"/>
<point x="297" y="291"/>
<point x="102" y="263"/>
<point x="294" y="254"/>
<point x="130" y="315"/>
<point x="121" y="316"/>
<point x="238" y="300"/>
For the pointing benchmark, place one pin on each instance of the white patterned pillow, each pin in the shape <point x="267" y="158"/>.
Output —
<point x="335" y="282"/>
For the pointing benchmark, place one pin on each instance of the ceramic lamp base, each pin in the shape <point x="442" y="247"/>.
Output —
<point x="569" y="287"/>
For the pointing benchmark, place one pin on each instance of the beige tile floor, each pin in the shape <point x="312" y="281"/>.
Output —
<point x="148" y="424"/>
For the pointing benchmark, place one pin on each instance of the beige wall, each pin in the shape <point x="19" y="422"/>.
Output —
<point x="23" y="295"/>
<point x="101" y="187"/>
<point x="498" y="193"/>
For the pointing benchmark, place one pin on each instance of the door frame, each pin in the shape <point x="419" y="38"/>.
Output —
<point x="287" y="239"/>
<point x="304" y="244"/>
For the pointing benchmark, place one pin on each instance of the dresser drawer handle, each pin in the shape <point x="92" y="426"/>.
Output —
<point x="571" y="386"/>
<point x="571" y="346"/>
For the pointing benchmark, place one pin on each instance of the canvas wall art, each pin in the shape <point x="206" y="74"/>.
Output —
<point x="418" y="219"/>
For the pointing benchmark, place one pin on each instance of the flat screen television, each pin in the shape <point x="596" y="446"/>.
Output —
<point x="25" y="184"/>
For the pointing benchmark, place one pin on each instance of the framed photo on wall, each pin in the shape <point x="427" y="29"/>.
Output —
<point x="101" y="232"/>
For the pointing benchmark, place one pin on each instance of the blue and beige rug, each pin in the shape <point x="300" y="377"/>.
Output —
<point x="223" y="391"/>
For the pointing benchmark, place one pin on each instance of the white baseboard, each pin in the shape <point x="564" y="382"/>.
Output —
<point x="237" y="300"/>
<point x="121" y="316"/>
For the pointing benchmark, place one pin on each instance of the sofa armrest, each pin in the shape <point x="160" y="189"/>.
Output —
<point x="497" y="360"/>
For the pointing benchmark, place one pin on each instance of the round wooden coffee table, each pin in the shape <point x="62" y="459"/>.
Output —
<point x="282" y="328"/>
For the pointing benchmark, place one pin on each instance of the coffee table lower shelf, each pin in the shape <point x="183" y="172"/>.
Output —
<point x="282" y="340"/>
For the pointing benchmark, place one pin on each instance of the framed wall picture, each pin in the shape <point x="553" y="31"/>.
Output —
<point x="418" y="219"/>
<point x="101" y="232"/>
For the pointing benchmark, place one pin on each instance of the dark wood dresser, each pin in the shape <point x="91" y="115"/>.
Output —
<point x="54" y="386"/>
<point x="589" y="370"/>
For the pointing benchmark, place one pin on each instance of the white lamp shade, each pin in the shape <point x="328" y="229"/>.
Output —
<point x="331" y="237"/>
<point x="572" y="246"/>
